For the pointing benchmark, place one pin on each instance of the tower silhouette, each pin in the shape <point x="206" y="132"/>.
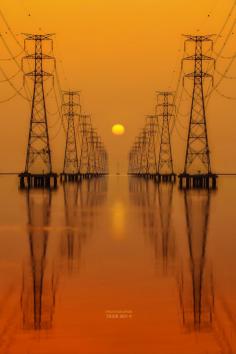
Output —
<point x="151" y="128"/>
<point x="99" y="156"/>
<point x="92" y="141"/>
<point x="197" y="168"/>
<point x="102" y="159"/>
<point x="135" y="157"/>
<point x="84" y="129"/>
<point x="71" y="110"/>
<point x="38" y="167"/>
<point x="165" y="110"/>
<point x="143" y="143"/>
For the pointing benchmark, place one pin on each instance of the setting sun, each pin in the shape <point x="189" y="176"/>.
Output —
<point x="118" y="129"/>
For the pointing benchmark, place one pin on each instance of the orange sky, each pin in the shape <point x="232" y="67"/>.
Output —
<point x="118" y="53"/>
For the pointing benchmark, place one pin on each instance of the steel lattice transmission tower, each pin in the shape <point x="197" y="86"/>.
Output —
<point x="38" y="167"/>
<point x="71" y="110"/>
<point x="165" y="110"/>
<point x="197" y="168"/>
<point x="151" y="127"/>
<point x="92" y="139"/>
<point x="143" y="142"/>
<point x="84" y="129"/>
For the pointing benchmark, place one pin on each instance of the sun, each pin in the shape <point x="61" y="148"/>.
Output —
<point x="118" y="129"/>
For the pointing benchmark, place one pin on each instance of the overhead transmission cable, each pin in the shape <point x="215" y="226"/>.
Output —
<point x="219" y="54"/>
<point x="10" y="58"/>
<point x="18" y="91"/>
<point x="11" y="31"/>
<point x="226" y="21"/>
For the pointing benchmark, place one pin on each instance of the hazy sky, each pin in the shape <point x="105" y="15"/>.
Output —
<point x="118" y="53"/>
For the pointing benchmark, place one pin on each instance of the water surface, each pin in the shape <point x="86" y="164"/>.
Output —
<point x="117" y="266"/>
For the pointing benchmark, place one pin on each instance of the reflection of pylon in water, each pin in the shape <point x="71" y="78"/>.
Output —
<point x="165" y="193"/>
<point x="196" y="285"/>
<point x="71" y="109"/>
<point x="39" y="283"/>
<point x="71" y="246"/>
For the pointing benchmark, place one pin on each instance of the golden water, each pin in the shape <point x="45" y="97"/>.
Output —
<point x="117" y="266"/>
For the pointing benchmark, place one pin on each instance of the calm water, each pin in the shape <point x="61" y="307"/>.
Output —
<point x="117" y="266"/>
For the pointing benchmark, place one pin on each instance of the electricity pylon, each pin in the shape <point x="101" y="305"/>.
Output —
<point x="197" y="168"/>
<point x="143" y="141"/>
<point x="104" y="160"/>
<point x="134" y="158"/>
<point x="92" y="140"/>
<point x="165" y="110"/>
<point x="151" y="126"/>
<point x="71" y="110"/>
<point x="38" y="167"/>
<point x="83" y="131"/>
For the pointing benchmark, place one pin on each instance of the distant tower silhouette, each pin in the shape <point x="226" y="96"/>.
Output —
<point x="138" y="154"/>
<point x="38" y="158"/>
<point x="71" y="110"/>
<point x="143" y="141"/>
<point x="135" y="157"/>
<point x="98" y="155"/>
<point x="151" y="127"/>
<point x="92" y="141"/>
<point x="84" y="129"/>
<point x="39" y="283"/>
<point x="165" y="110"/>
<point x="196" y="285"/>
<point x="197" y="157"/>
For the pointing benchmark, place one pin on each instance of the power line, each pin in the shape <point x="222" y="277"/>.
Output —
<point x="225" y="76"/>
<point x="11" y="97"/>
<point x="179" y="134"/>
<point x="209" y="93"/>
<point x="27" y="90"/>
<point x="11" y="77"/>
<point x="226" y="21"/>
<point x="218" y="54"/>
<point x="11" y="58"/>
<point x="11" y="32"/>
<point x="13" y="86"/>
<point x="57" y="133"/>
<point x="224" y="96"/>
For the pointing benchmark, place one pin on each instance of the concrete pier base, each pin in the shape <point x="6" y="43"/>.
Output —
<point x="28" y="180"/>
<point x="70" y="177"/>
<point x="165" y="178"/>
<point x="198" y="181"/>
